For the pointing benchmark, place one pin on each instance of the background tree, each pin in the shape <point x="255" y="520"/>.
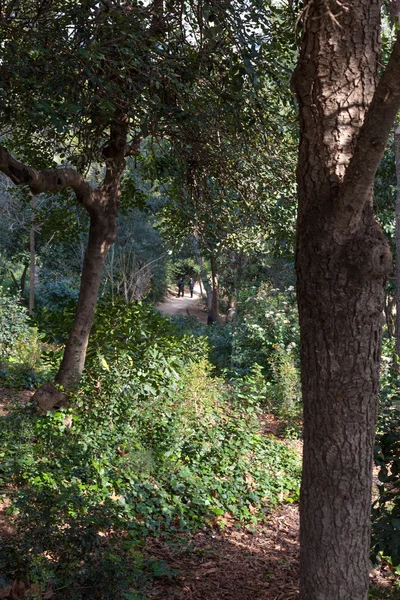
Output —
<point x="221" y="192"/>
<point x="102" y="77"/>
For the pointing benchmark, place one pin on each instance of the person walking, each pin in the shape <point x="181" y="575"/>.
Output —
<point x="181" y="287"/>
<point x="191" y="286"/>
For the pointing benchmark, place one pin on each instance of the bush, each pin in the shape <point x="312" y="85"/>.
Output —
<point x="267" y="319"/>
<point x="20" y="346"/>
<point x="386" y="509"/>
<point x="263" y="341"/>
<point x="151" y="442"/>
<point x="15" y="332"/>
<point x="56" y="293"/>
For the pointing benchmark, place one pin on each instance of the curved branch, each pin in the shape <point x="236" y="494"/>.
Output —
<point x="370" y="145"/>
<point x="51" y="180"/>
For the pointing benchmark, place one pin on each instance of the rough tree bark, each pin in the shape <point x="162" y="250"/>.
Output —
<point x="342" y="261"/>
<point x="102" y="205"/>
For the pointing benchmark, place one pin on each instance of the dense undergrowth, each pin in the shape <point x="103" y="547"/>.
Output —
<point x="152" y="442"/>
<point x="263" y="339"/>
<point x="163" y="435"/>
<point x="386" y="507"/>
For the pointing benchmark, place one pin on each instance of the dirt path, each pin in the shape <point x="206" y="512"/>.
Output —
<point x="194" y="307"/>
<point x="214" y="564"/>
<point x="233" y="564"/>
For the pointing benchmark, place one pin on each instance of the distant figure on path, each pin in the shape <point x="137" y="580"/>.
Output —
<point x="181" y="287"/>
<point x="191" y="286"/>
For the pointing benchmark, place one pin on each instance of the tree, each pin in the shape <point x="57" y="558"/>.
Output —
<point x="221" y="188"/>
<point x="82" y="38"/>
<point x="397" y="238"/>
<point x="342" y="262"/>
<point x="85" y="82"/>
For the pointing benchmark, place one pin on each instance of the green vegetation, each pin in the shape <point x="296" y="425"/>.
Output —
<point x="143" y="142"/>
<point x="152" y="442"/>
<point x="20" y="346"/>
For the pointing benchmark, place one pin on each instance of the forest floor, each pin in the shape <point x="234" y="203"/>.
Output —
<point x="230" y="562"/>
<point x="194" y="307"/>
<point x="225" y="560"/>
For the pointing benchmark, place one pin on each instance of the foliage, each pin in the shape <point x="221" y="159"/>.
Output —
<point x="267" y="320"/>
<point x="389" y="398"/>
<point x="55" y="294"/>
<point x="151" y="442"/>
<point x="137" y="265"/>
<point x="265" y="333"/>
<point x="20" y="345"/>
<point x="15" y="332"/>
<point x="122" y="329"/>
<point x="385" y="192"/>
<point x="262" y="342"/>
<point x="285" y="390"/>
<point x="386" y="508"/>
<point x="384" y="594"/>
<point x="137" y="58"/>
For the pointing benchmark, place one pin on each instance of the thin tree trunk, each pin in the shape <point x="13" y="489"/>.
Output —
<point x="102" y="204"/>
<point x="20" y="286"/>
<point x="101" y="237"/>
<point x="213" y="311"/>
<point x="22" y="281"/>
<point x="203" y="273"/>
<point x="388" y="308"/>
<point x="32" y="260"/>
<point x="397" y="236"/>
<point x="238" y="282"/>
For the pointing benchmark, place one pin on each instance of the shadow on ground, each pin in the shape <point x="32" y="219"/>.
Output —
<point x="234" y="564"/>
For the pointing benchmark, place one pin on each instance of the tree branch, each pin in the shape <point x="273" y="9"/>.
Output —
<point x="370" y="145"/>
<point x="52" y="180"/>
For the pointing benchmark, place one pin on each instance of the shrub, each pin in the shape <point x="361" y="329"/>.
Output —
<point x="20" y="346"/>
<point x="386" y="509"/>
<point x="56" y="293"/>
<point x="285" y="390"/>
<point x="15" y="332"/>
<point x="150" y="442"/>
<point x="267" y="320"/>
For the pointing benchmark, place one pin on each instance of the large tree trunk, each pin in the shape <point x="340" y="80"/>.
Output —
<point x="340" y="307"/>
<point x="101" y="237"/>
<point x="342" y="261"/>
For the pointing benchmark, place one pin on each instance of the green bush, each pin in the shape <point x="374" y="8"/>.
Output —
<point x="151" y="442"/>
<point x="20" y="346"/>
<point x="386" y="509"/>
<point x="267" y="319"/>
<point x="263" y="341"/>
<point x="56" y="293"/>
<point x="15" y="332"/>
